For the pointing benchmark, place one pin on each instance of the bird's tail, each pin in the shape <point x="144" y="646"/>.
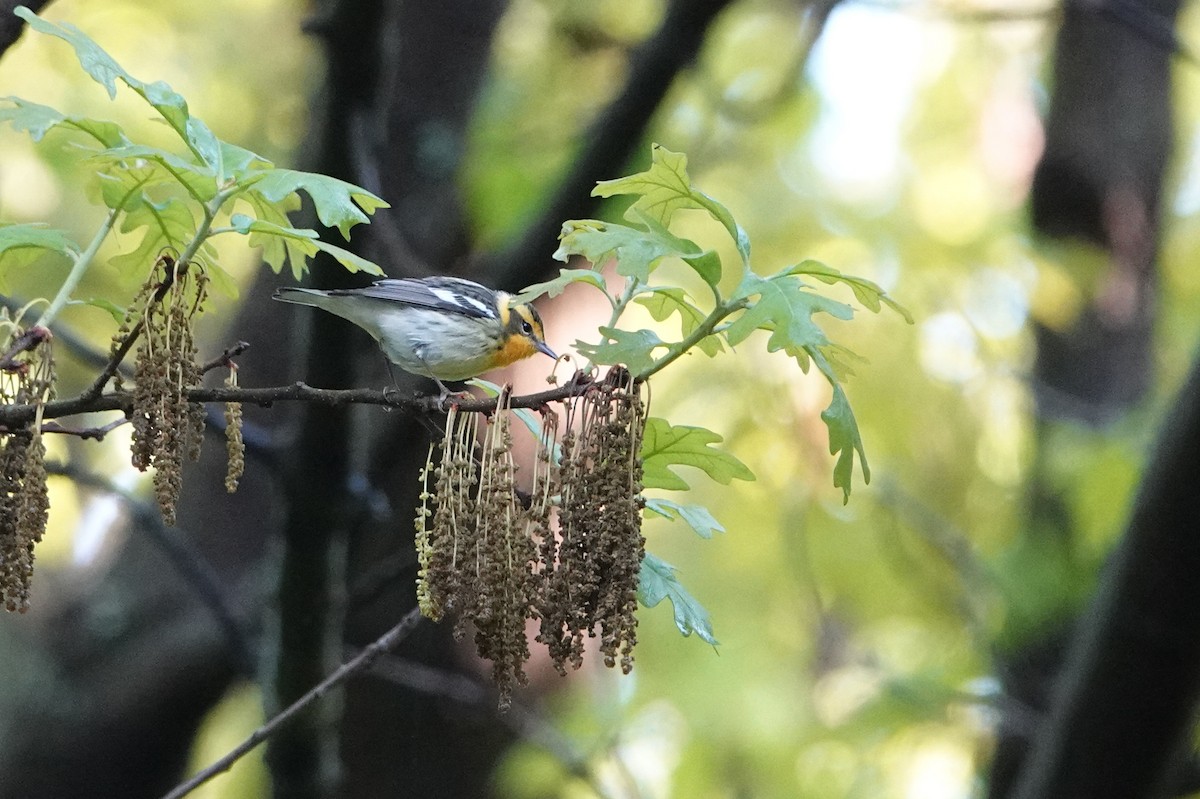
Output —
<point x="300" y="296"/>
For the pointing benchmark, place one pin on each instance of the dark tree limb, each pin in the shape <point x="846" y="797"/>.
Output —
<point x="11" y="25"/>
<point x="1108" y="139"/>
<point x="1121" y="718"/>
<point x="12" y="416"/>
<point x="611" y="140"/>
<point x="1100" y="179"/>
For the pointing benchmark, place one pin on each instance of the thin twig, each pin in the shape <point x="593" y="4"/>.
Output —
<point x="97" y="433"/>
<point x="65" y="337"/>
<point x="97" y="387"/>
<point x="362" y="660"/>
<point x="225" y="359"/>
<point x="25" y="342"/>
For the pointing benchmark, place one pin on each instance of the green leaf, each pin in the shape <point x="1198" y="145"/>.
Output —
<point x="707" y="264"/>
<point x="38" y="120"/>
<point x="221" y="280"/>
<point x="665" y="188"/>
<point x="784" y="307"/>
<point x="633" y="348"/>
<point x="277" y="250"/>
<point x="206" y="145"/>
<point x="552" y="288"/>
<point x="351" y="261"/>
<point x="104" y="69"/>
<point x="665" y="446"/>
<point x="154" y="166"/>
<point x="662" y="301"/>
<point x="279" y="242"/>
<point x="696" y="516"/>
<point x="114" y="310"/>
<point x="170" y="225"/>
<point x="300" y="243"/>
<point x="336" y="201"/>
<point x="635" y="251"/>
<point x="22" y="244"/>
<point x="870" y="295"/>
<point x="657" y="581"/>
<point x="844" y="441"/>
<point x="240" y="162"/>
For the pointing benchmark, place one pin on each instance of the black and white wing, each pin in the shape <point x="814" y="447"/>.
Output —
<point x="451" y="294"/>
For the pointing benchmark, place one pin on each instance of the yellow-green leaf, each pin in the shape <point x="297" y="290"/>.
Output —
<point x="665" y="446"/>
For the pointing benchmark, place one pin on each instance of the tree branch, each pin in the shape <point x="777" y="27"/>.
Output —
<point x="612" y="138"/>
<point x="11" y="25"/>
<point x="1125" y="702"/>
<point x="362" y="660"/>
<point x="13" y="416"/>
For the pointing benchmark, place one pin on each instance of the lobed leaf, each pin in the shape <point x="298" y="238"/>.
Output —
<point x="38" y="120"/>
<point x="665" y="446"/>
<point x="657" y="581"/>
<point x="662" y="301"/>
<point x="240" y="163"/>
<point x="869" y="294"/>
<point x="665" y="188"/>
<point x="277" y="250"/>
<point x="337" y="202"/>
<point x="154" y="166"/>
<point x="844" y="441"/>
<point x="635" y="251"/>
<point x="105" y="70"/>
<point x="170" y="225"/>
<point x="22" y="244"/>
<point x="697" y="517"/>
<point x="300" y="243"/>
<point x="633" y="348"/>
<point x="784" y="307"/>
<point x="352" y="262"/>
<point x="552" y="288"/>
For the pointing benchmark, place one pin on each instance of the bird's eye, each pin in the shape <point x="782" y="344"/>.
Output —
<point x="526" y="327"/>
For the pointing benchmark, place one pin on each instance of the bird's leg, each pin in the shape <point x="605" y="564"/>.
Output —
<point x="388" y="392"/>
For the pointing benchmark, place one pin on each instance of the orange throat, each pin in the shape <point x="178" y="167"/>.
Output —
<point x="516" y="348"/>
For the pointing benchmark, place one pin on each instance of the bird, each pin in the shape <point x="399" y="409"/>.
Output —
<point x="444" y="328"/>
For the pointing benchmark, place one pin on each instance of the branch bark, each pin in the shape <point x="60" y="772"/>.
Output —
<point x="611" y="140"/>
<point x="1120" y="721"/>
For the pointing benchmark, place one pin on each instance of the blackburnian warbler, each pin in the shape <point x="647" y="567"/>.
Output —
<point x="446" y="328"/>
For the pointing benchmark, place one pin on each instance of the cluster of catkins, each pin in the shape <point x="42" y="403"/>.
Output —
<point x="566" y="555"/>
<point x="167" y="428"/>
<point x="24" y="503"/>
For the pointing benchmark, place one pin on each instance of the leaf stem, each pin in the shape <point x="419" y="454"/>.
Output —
<point x="704" y="329"/>
<point x="80" y="266"/>
<point x="631" y="290"/>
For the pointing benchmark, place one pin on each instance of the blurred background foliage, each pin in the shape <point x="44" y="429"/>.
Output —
<point x="857" y="641"/>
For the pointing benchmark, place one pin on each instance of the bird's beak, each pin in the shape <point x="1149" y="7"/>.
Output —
<point x="544" y="348"/>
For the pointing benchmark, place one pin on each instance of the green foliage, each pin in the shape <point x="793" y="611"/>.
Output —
<point x="697" y="517"/>
<point x="178" y="200"/>
<point x="25" y="243"/>
<point x="658" y="582"/>
<point x="665" y="446"/>
<point x="783" y="305"/>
